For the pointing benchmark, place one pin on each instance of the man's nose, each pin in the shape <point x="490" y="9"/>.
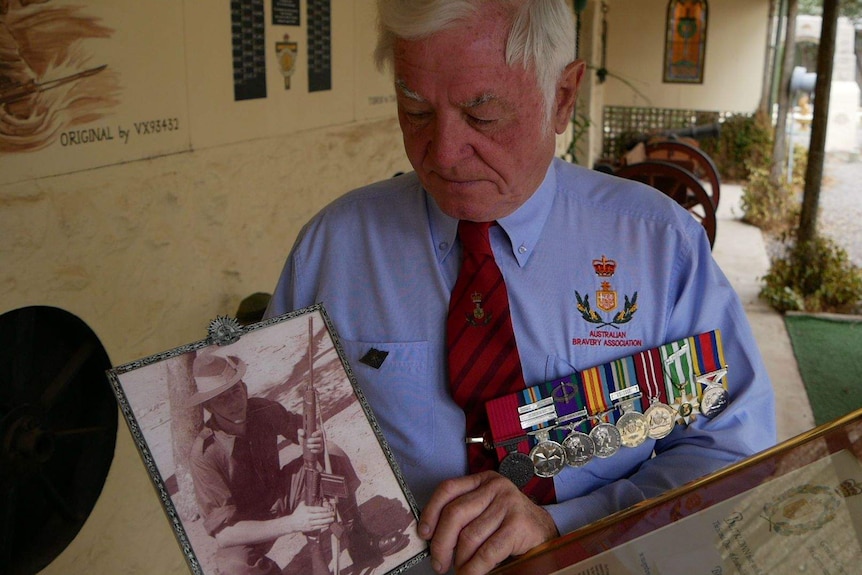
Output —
<point x="450" y="142"/>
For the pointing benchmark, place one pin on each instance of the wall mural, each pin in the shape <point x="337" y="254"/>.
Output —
<point x="85" y="84"/>
<point x="47" y="83"/>
<point x="92" y="83"/>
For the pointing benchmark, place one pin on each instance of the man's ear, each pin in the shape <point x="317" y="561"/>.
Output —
<point x="567" y="93"/>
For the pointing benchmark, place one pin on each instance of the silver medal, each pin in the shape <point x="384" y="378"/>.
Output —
<point x="579" y="448"/>
<point x="607" y="439"/>
<point x="661" y="418"/>
<point x="715" y="399"/>
<point x="548" y="458"/>
<point x="633" y="428"/>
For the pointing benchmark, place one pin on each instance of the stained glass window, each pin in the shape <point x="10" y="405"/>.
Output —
<point x="685" y="45"/>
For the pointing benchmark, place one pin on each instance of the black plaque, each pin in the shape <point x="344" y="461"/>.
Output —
<point x="319" y="45"/>
<point x="285" y="12"/>
<point x="248" y="42"/>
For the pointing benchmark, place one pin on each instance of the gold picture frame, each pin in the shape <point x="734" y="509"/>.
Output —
<point x="798" y="503"/>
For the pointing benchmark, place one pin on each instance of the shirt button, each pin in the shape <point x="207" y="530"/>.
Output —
<point x="443" y="246"/>
<point x="522" y="249"/>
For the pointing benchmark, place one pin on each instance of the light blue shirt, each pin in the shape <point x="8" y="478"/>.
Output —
<point x="383" y="259"/>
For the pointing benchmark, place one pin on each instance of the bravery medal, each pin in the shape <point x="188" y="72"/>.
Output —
<point x="548" y="456"/>
<point x="714" y="398"/>
<point x="606" y="438"/>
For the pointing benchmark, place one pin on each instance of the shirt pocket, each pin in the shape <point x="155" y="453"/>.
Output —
<point x="399" y="393"/>
<point x="557" y="367"/>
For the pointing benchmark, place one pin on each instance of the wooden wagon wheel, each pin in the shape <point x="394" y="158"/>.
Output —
<point x="680" y="185"/>
<point x="691" y="158"/>
<point x="58" y="427"/>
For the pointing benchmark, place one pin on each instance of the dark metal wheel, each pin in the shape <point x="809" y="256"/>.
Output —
<point x="680" y="185"/>
<point x="691" y="158"/>
<point x="58" y="428"/>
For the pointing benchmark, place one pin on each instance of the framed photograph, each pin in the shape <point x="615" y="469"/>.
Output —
<point x="265" y="454"/>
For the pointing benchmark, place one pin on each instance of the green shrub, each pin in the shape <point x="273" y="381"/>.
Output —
<point x="817" y="276"/>
<point x="774" y="209"/>
<point x="745" y="141"/>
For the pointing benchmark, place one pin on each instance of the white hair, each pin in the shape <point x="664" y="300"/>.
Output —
<point x="542" y="35"/>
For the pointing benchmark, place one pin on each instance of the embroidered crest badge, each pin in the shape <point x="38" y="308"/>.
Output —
<point x="479" y="316"/>
<point x="607" y="299"/>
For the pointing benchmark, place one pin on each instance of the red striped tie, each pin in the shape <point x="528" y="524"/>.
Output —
<point x="483" y="354"/>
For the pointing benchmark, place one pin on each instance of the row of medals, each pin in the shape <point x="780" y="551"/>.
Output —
<point x="548" y="457"/>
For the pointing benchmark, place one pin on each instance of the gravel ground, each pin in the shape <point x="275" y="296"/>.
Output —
<point x="841" y="204"/>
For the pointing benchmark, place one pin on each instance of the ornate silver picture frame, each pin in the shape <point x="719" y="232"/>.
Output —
<point x="220" y="426"/>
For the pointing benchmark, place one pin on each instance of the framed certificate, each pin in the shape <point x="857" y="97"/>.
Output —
<point x="265" y="453"/>
<point x="794" y="508"/>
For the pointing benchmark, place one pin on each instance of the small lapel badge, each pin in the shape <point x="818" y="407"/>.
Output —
<point x="374" y="358"/>
<point x="479" y="316"/>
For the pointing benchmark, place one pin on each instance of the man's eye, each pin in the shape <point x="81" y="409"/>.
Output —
<point x="417" y="115"/>
<point x="476" y="121"/>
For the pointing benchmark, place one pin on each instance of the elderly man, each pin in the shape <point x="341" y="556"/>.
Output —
<point x="246" y="497"/>
<point x="482" y="87"/>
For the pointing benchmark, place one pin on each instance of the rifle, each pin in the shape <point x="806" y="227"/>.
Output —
<point x="18" y="91"/>
<point x="319" y="485"/>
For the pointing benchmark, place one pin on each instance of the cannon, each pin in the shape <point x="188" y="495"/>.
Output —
<point x="671" y="162"/>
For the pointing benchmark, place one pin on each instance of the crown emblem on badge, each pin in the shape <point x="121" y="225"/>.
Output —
<point x="478" y="316"/>
<point x="604" y="267"/>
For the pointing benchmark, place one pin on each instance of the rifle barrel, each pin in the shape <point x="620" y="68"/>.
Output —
<point x="20" y="91"/>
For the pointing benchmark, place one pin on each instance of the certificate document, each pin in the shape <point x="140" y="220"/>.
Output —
<point x="807" y="521"/>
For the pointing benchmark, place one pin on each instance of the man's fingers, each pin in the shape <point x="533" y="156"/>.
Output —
<point x="445" y="493"/>
<point x="496" y="548"/>
<point x="481" y="537"/>
<point x="477" y="529"/>
<point x="321" y="517"/>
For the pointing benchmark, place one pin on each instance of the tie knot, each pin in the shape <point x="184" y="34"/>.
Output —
<point x="474" y="237"/>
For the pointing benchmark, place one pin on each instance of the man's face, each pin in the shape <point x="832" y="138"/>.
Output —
<point x="473" y="127"/>
<point x="231" y="405"/>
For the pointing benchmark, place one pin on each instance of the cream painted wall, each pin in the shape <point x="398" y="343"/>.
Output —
<point x="147" y="253"/>
<point x="736" y="41"/>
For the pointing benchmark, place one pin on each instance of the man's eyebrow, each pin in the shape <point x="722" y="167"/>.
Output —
<point x="402" y="87"/>
<point x="477" y="101"/>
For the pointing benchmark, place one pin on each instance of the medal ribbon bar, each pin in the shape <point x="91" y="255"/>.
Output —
<point x="625" y="383"/>
<point x="595" y="383"/>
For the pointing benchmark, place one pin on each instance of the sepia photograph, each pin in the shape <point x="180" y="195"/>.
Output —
<point x="266" y="457"/>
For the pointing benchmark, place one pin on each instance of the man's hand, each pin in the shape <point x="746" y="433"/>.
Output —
<point x="305" y="518"/>
<point x="475" y="522"/>
<point x="314" y="442"/>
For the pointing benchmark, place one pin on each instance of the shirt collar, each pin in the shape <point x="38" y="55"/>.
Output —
<point x="226" y="440"/>
<point x="523" y="226"/>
